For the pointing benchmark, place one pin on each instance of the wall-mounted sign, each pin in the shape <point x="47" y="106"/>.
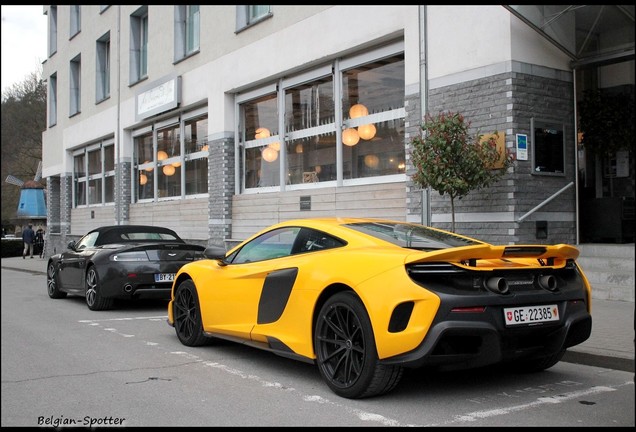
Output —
<point x="305" y="202"/>
<point x="160" y="96"/>
<point x="500" y="141"/>
<point x="522" y="147"/>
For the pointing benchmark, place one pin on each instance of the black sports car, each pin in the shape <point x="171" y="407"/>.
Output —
<point x="120" y="261"/>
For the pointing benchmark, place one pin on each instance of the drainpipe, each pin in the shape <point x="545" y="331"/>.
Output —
<point x="426" y="193"/>
<point x="576" y="163"/>
<point x="118" y="176"/>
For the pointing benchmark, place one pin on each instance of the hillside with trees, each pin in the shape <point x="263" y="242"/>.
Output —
<point x="23" y="121"/>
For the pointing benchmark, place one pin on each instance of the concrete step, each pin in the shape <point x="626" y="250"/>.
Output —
<point x="610" y="269"/>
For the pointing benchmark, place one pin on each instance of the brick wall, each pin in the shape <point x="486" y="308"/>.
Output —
<point x="506" y="103"/>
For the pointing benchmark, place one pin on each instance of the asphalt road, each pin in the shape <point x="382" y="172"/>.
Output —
<point x="64" y="365"/>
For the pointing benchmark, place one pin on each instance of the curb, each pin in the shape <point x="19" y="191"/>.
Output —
<point x="607" y="362"/>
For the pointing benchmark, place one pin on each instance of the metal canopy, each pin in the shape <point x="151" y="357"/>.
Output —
<point x="588" y="34"/>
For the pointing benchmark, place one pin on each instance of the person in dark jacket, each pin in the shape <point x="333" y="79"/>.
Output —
<point x="28" y="236"/>
<point x="39" y="242"/>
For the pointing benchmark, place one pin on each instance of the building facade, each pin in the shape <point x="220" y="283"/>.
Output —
<point x="217" y="121"/>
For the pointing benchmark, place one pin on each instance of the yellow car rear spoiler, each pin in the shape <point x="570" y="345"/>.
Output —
<point x="550" y="255"/>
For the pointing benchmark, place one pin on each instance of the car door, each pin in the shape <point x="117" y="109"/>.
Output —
<point x="230" y="296"/>
<point x="72" y="263"/>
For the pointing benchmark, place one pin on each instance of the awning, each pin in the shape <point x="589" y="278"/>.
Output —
<point x="589" y="34"/>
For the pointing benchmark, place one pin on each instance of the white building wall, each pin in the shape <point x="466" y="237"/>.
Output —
<point x="463" y="43"/>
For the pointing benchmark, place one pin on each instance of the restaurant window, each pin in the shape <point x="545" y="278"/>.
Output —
<point x="320" y="147"/>
<point x="262" y="143"/>
<point x="196" y="155"/>
<point x="373" y="111"/>
<point x="549" y="148"/>
<point x="162" y="152"/>
<point x="145" y="164"/>
<point x="169" y="162"/>
<point x="79" y="178"/>
<point x="310" y="124"/>
<point x="94" y="174"/>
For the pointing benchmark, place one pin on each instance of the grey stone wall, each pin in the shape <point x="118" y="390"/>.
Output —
<point x="123" y="193"/>
<point x="221" y="181"/>
<point x="506" y="103"/>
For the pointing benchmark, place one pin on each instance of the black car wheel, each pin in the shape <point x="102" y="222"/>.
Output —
<point x="51" y="282"/>
<point x="94" y="298"/>
<point x="187" y="315"/>
<point x="346" y="352"/>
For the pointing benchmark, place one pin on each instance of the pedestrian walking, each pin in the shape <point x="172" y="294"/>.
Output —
<point x="39" y="242"/>
<point x="28" y="236"/>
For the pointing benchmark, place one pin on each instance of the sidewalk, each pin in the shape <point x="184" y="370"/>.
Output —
<point x="611" y="344"/>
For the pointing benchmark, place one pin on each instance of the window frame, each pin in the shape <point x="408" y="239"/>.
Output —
<point x="102" y="68"/>
<point x="75" y="86"/>
<point x="187" y="31"/>
<point x="75" y="25"/>
<point x="182" y="161"/>
<point x="52" y="21"/>
<point x="138" y="45"/>
<point x="250" y="15"/>
<point x="394" y="116"/>
<point x="53" y="100"/>
<point x="102" y="176"/>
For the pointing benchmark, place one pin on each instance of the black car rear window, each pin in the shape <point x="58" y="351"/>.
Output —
<point x="412" y="236"/>
<point x="119" y="236"/>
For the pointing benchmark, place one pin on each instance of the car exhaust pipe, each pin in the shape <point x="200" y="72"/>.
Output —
<point x="128" y="288"/>
<point x="548" y="282"/>
<point x="498" y="285"/>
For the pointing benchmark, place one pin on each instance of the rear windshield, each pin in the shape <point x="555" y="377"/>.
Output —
<point x="412" y="236"/>
<point x="120" y="236"/>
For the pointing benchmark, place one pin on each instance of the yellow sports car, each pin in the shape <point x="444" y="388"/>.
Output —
<point x="365" y="298"/>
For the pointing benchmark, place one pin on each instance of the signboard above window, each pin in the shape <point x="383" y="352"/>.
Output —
<point x="158" y="97"/>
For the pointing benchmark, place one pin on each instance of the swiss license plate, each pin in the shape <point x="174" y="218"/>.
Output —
<point x="531" y="314"/>
<point x="164" y="277"/>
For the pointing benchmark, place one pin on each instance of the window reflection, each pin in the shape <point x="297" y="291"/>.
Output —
<point x="312" y="159"/>
<point x="374" y="134"/>
<point x="262" y="146"/>
<point x="164" y="166"/>
<point x="94" y="174"/>
<point x="372" y="128"/>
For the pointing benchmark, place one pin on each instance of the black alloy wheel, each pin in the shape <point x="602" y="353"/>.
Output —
<point x="346" y="353"/>
<point x="187" y="315"/>
<point x="51" y="282"/>
<point x="94" y="299"/>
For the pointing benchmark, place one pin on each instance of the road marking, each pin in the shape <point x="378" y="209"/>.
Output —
<point x="479" y="415"/>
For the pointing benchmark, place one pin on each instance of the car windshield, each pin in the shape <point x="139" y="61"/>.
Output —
<point x="412" y="236"/>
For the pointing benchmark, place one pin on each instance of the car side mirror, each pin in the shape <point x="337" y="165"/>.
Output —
<point x="71" y="245"/>
<point x="215" y="253"/>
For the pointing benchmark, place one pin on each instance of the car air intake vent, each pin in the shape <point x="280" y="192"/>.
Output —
<point x="444" y="277"/>
<point x="433" y="268"/>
